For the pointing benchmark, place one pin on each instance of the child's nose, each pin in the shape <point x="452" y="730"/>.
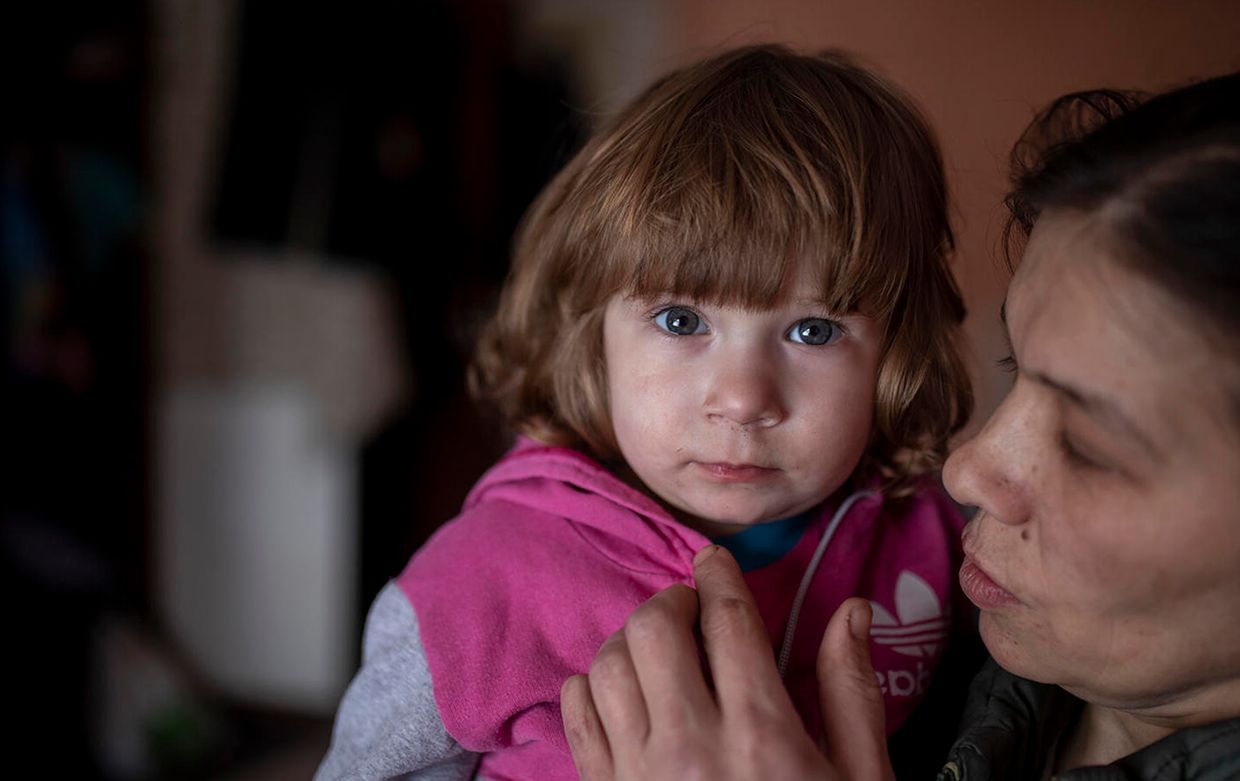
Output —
<point x="745" y="391"/>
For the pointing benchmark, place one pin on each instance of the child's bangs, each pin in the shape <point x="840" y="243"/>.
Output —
<point x="750" y="255"/>
<point x="739" y="236"/>
<point x="723" y="196"/>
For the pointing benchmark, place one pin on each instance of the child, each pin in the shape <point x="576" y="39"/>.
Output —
<point x="729" y="318"/>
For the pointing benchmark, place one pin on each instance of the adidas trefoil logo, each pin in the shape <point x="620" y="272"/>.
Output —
<point x="923" y="623"/>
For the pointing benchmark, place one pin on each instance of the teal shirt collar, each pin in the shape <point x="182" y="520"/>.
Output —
<point x="765" y="543"/>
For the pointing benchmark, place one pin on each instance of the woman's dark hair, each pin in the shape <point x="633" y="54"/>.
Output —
<point x="1164" y="175"/>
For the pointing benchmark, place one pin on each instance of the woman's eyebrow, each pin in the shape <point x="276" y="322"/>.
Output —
<point x="1101" y="409"/>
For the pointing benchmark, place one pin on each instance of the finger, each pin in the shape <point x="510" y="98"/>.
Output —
<point x="738" y="650"/>
<point x="852" y="703"/>
<point x="584" y="731"/>
<point x="664" y="650"/>
<point x="617" y="696"/>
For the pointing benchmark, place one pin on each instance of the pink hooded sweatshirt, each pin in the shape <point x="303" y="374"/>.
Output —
<point x="551" y="553"/>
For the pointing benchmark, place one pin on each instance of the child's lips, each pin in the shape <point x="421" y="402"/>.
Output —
<point x="726" y="472"/>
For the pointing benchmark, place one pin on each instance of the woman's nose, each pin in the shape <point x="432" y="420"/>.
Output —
<point x="988" y="471"/>
<point x="745" y="390"/>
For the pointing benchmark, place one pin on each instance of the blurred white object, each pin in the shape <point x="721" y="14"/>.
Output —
<point x="257" y="543"/>
<point x="271" y="366"/>
<point x="302" y="320"/>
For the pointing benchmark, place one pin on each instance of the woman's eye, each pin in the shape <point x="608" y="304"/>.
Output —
<point x="815" y="331"/>
<point x="1077" y="457"/>
<point x="680" y="321"/>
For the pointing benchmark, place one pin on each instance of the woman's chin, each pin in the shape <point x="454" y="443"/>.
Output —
<point x="1014" y="650"/>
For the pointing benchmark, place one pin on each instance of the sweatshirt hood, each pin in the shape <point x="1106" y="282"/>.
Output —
<point x="599" y="505"/>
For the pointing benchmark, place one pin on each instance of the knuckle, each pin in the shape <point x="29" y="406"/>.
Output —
<point x="651" y="620"/>
<point x="729" y="615"/>
<point x="863" y="686"/>
<point x="610" y="663"/>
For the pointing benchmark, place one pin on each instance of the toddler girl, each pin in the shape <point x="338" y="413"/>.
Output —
<point x="729" y="318"/>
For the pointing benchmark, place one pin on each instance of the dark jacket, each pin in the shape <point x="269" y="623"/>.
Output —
<point x="1010" y="726"/>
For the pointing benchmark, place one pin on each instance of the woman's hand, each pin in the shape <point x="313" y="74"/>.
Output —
<point x="645" y="711"/>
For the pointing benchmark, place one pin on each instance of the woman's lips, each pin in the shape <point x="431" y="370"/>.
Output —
<point x="736" y="473"/>
<point x="981" y="590"/>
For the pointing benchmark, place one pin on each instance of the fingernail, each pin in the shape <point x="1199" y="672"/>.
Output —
<point x="705" y="553"/>
<point x="856" y="623"/>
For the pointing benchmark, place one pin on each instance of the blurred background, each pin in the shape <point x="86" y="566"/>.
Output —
<point x="244" y="247"/>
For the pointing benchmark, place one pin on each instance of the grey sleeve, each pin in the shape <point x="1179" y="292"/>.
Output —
<point x="388" y="726"/>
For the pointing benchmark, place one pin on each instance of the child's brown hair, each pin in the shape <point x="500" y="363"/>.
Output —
<point x="714" y="184"/>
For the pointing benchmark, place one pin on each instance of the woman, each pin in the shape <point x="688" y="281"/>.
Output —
<point x="1105" y="556"/>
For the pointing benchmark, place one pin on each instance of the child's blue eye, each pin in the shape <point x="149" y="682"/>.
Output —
<point x="815" y="331"/>
<point x="680" y="321"/>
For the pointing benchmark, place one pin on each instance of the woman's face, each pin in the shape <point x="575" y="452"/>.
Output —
<point x="1105" y="556"/>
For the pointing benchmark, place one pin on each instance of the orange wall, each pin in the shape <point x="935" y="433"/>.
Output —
<point x="979" y="70"/>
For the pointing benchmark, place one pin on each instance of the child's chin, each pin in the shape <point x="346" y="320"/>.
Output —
<point x="739" y="519"/>
<point x="716" y="522"/>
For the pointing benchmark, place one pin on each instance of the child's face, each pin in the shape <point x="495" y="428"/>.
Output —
<point x="734" y="417"/>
